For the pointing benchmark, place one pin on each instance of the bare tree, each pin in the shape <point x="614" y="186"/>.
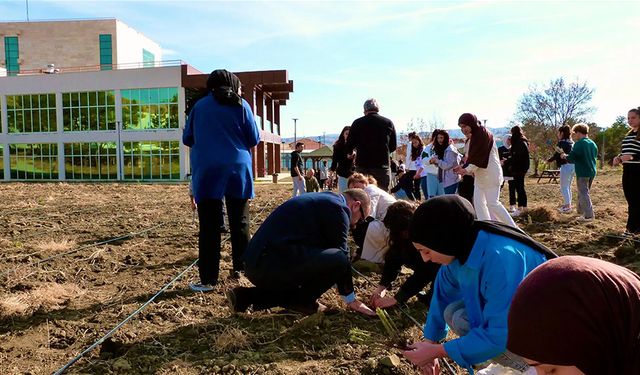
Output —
<point x="542" y="111"/>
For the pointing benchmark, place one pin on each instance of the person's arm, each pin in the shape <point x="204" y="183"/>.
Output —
<point x="315" y="185"/>
<point x="249" y="127"/>
<point x="450" y="160"/>
<point x="421" y="276"/>
<point x="407" y="158"/>
<point x="489" y="338"/>
<point x="445" y="291"/>
<point x="392" y="139"/>
<point x="351" y="139"/>
<point x="576" y="153"/>
<point x="187" y="134"/>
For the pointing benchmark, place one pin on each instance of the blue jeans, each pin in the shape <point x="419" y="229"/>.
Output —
<point x="342" y="184"/>
<point x="434" y="187"/>
<point x="451" y="189"/>
<point x="425" y="188"/>
<point x="566" y="178"/>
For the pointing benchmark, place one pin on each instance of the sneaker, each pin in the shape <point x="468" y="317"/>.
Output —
<point x="515" y="213"/>
<point x="237" y="299"/>
<point x="512" y="209"/>
<point x="565" y="210"/>
<point x="585" y="219"/>
<point x="201" y="287"/>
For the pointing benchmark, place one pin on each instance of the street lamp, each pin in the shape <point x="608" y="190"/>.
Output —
<point x="295" y="134"/>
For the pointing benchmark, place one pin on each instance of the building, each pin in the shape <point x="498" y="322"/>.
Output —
<point x="109" y="109"/>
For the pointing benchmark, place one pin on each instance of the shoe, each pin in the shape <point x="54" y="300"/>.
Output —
<point x="585" y="219"/>
<point x="515" y="213"/>
<point x="307" y="308"/>
<point x="201" y="287"/>
<point x="512" y="209"/>
<point x="237" y="299"/>
<point x="565" y="210"/>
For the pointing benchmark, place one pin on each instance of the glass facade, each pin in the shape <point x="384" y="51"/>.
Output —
<point x="11" y="55"/>
<point x="155" y="108"/>
<point x="106" y="52"/>
<point x="151" y="160"/>
<point x="148" y="58"/>
<point x="84" y="111"/>
<point x="91" y="161"/>
<point x="38" y="161"/>
<point x="31" y="113"/>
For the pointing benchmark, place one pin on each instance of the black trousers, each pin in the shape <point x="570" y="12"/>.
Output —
<point x="380" y="174"/>
<point x="521" y="193"/>
<point x="210" y="216"/>
<point x="512" y="192"/>
<point x="631" y="188"/>
<point x="297" y="276"/>
<point x="465" y="188"/>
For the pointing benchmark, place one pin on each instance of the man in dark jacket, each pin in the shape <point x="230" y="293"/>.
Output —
<point x="300" y="251"/>
<point x="374" y="138"/>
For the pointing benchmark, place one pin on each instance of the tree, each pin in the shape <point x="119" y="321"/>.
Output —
<point x="543" y="110"/>
<point x="613" y="136"/>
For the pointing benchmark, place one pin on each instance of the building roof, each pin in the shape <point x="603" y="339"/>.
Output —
<point x="323" y="152"/>
<point x="309" y="144"/>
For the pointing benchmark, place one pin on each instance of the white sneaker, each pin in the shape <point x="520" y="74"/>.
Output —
<point x="565" y="210"/>
<point x="515" y="213"/>
<point x="204" y="288"/>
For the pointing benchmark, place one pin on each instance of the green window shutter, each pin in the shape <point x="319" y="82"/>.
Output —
<point x="148" y="58"/>
<point x="106" y="52"/>
<point x="11" y="53"/>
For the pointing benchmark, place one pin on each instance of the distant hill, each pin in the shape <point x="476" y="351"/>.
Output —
<point x="329" y="139"/>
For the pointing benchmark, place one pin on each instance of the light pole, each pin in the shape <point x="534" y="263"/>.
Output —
<point x="295" y="133"/>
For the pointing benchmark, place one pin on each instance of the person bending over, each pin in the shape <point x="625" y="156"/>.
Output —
<point x="483" y="262"/>
<point x="300" y="251"/>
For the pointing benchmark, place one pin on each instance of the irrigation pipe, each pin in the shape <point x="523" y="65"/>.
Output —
<point x="142" y="307"/>
<point x="45" y="260"/>
<point x="406" y="313"/>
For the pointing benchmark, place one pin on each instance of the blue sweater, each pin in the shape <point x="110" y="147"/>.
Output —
<point x="486" y="283"/>
<point x="314" y="221"/>
<point x="221" y="138"/>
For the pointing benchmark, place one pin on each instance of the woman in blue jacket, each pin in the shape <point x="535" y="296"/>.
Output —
<point x="221" y="131"/>
<point x="483" y="262"/>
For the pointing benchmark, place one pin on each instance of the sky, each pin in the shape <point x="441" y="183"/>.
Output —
<point x="433" y="60"/>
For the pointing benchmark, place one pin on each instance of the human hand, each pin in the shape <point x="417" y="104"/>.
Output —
<point x="425" y="355"/>
<point x="384" y="302"/>
<point x="617" y="161"/>
<point x="378" y="293"/>
<point x="194" y="205"/>
<point x="563" y="156"/>
<point x="300" y="178"/>
<point x="361" y="308"/>
<point x="433" y="160"/>
<point x="626" y="157"/>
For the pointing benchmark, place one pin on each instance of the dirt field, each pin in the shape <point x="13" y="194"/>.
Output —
<point x="52" y="310"/>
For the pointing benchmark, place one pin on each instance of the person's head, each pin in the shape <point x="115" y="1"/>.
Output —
<point x="371" y="106"/>
<point x="442" y="138"/>
<point x="299" y="146"/>
<point x="633" y="117"/>
<point x="564" y="132"/>
<point x="442" y="229"/>
<point x="324" y="163"/>
<point x="440" y="142"/>
<point x="517" y="134"/>
<point x="580" y="130"/>
<point x="577" y="315"/>
<point x="359" y="204"/>
<point x="415" y="139"/>
<point x="360" y="181"/>
<point x="507" y="140"/>
<point x="225" y="86"/>
<point x="397" y="220"/>
<point x="468" y="122"/>
<point x="310" y="172"/>
<point x="342" y="139"/>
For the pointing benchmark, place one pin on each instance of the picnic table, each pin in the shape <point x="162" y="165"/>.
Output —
<point x="550" y="174"/>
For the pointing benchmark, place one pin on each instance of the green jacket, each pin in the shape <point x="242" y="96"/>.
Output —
<point x="584" y="155"/>
<point x="311" y="185"/>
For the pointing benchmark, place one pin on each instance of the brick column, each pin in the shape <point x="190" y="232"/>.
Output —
<point x="260" y="159"/>
<point x="278" y="160"/>
<point x="254" y="164"/>
<point x="270" y="159"/>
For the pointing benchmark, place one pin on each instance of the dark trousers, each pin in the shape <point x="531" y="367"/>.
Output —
<point x="520" y="192"/>
<point x="210" y="237"/>
<point x="631" y="188"/>
<point x="512" y="192"/>
<point x="380" y="174"/>
<point x="321" y="182"/>
<point x="465" y="188"/>
<point x="294" y="277"/>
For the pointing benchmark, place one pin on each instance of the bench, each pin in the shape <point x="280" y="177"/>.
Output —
<point x="550" y="174"/>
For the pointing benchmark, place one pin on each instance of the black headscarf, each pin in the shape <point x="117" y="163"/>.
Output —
<point x="480" y="143"/>
<point x="225" y="86"/>
<point x="447" y="224"/>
